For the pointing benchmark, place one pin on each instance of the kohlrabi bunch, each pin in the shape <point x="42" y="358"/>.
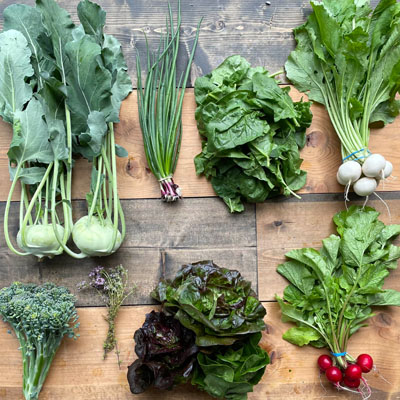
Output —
<point x="348" y="58"/>
<point x="61" y="89"/>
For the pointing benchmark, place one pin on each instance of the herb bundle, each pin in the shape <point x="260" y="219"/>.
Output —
<point x="252" y="132"/>
<point x="214" y="315"/>
<point x="112" y="285"/>
<point x="347" y="58"/>
<point x="331" y="291"/>
<point x="160" y="106"/>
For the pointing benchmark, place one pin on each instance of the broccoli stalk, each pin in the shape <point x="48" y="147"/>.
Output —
<point x="40" y="317"/>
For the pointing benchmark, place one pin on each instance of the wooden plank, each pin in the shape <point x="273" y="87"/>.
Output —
<point x="321" y="156"/>
<point x="79" y="372"/>
<point x="287" y="225"/>
<point x="152" y="227"/>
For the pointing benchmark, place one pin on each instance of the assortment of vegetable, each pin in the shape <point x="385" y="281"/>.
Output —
<point x="331" y="291"/>
<point x="40" y="316"/>
<point x="160" y="106"/>
<point x="112" y="286"/>
<point x="61" y="89"/>
<point x="347" y="58"/>
<point x="252" y="132"/>
<point x="214" y="315"/>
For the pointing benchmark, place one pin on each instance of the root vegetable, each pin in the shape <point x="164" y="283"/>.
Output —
<point x="365" y="186"/>
<point x="365" y="362"/>
<point x="349" y="172"/>
<point x="374" y="165"/>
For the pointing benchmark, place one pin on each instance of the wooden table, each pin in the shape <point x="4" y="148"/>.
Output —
<point x="200" y="227"/>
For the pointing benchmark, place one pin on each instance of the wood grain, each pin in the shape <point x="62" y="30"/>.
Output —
<point x="321" y="156"/>
<point x="287" y="225"/>
<point x="79" y="372"/>
<point x="186" y="232"/>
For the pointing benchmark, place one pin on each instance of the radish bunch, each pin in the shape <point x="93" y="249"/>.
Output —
<point x="349" y="378"/>
<point x="365" y="178"/>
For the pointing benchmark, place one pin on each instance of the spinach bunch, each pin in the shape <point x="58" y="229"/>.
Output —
<point x="252" y="132"/>
<point x="231" y="372"/>
<point x="331" y="291"/>
<point x="216" y="303"/>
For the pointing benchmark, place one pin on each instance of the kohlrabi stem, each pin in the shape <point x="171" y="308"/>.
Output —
<point x="93" y="206"/>
<point x="46" y="204"/>
<point x="21" y="205"/>
<point x="69" y="164"/>
<point x="7" y="212"/>
<point x="33" y="201"/>
<point x="66" y="209"/>
<point x="54" y="217"/>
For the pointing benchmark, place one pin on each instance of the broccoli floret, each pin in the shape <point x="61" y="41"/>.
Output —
<point x="40" y="316"/>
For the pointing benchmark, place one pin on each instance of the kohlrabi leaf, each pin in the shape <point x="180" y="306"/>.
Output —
<point x="30" y="140"/>
<point x="59" y="27"/>
<point x="28" y="21"/>
<point x="92" y="18"/>
<point x="89" y="90"/>
<point x="15" y="69"/>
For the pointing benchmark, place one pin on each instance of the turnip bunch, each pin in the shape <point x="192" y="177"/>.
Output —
<point x="347" y="58"/>
<point x="160" y="106"/>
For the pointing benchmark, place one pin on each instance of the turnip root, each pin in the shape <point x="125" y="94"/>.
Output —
<point x="349" y="172"/>
<point x="374" y="165"/>
<point x="365" y="186"/>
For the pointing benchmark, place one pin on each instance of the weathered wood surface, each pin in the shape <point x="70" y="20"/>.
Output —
<point x="79" y="371"/>
<point x="185" y="232"/>
<point x="255" y="29"/>
<point x="321" y="156"/>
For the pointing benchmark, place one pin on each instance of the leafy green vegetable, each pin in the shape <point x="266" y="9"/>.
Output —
<point x="160" y="106"/>
<point x="216" y="303"/>
<point x="348" y="58"/>
<point x="331" y="291"/>
<point x="62" y="88"/>
<point x="252" y="132"/>
<point x="166" y="354"/>
<point x="40" y="316"/>
<point x="231" y="371"/>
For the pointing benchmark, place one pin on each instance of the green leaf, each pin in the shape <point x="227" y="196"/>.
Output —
<point x="92" y="18"/>
<point x="16" y="68"/>
<point x="297" y="274"/>
<point x="29" y="176"/>
<point x="30" y="140"/>
<point x="89" y="86"/>
<point x="388" y="297"/>
<point x="301" y="336"/>
<point x="59" y="28"/>
<point x="28" y="21"/>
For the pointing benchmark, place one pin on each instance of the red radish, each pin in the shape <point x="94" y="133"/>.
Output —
<point x="365" y="362"/>
<point x="334" y="374"/>
<point x="353" y="372"/>
<point x="324" y="362"/>
<point x="351" y="383"/>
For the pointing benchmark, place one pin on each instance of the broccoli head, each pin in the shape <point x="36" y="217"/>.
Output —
<point x="40" y="317"/>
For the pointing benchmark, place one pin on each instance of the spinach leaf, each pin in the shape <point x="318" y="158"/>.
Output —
<point x="252" y="132"/>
